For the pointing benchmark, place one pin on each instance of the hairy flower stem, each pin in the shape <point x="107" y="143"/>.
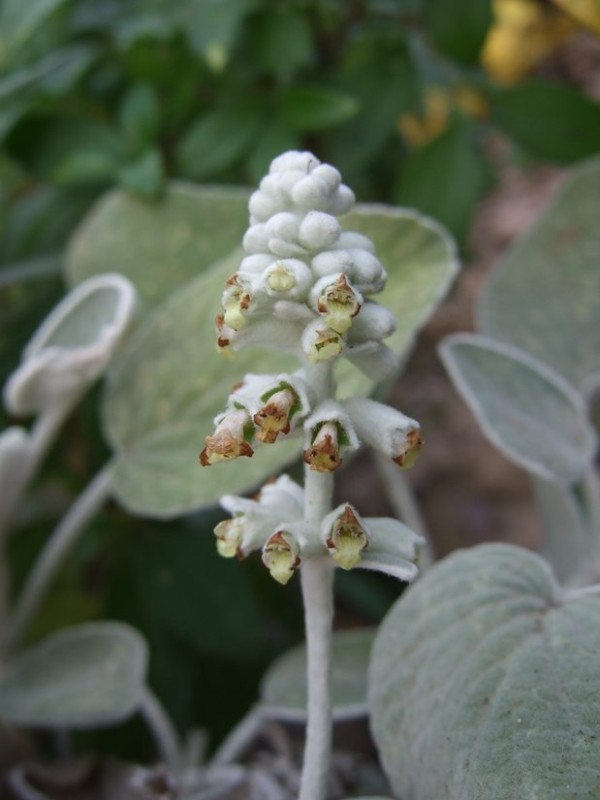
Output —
<point x="53" y="555"/>
<point x="162" y="729"/>
<point x="317" y="589"/>
<point x="316" y="576"/>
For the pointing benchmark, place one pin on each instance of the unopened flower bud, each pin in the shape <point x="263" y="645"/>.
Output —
<point x="318" y="231"/>
<point x="274" y="417"/>
<point x="338" y="301"/>
<point x="229" y="439"/>
<point x="374" y="323"/>
<point x="386" y="429"/>
<point x="345" y="536"/>
<point x="323" y="454"/>
<point x="281" y="556"/>
<point x="320" y="342"/>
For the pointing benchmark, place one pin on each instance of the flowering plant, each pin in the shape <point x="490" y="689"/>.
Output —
<point x="305" y="287"/>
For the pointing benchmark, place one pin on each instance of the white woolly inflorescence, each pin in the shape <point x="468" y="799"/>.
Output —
<point x="304" y="270"/>
<point x="304" y="287"/>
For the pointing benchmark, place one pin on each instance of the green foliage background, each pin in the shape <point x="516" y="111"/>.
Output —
<point x="100" y="93"/>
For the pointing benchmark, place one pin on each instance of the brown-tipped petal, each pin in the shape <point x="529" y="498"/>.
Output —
<point x="236" y="301"/>
<point x="409" y="456"/>
<point x="340" y="303"/>
<point x="274" y="417"/>
<point x="347" y="539"/>
<point x="281" y="556"/>
<point x="228" y="441"/>
<point x="324" y="455"/>
<point x="229" y="537"/>
<point x="321" y="343"/>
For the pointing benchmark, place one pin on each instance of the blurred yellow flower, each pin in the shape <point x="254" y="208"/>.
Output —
<point x="438" y="105"/>
<point x="523" y="34"/>
<point x="586" y="12"/>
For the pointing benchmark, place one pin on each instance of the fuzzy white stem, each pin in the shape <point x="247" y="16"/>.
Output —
<point x="54" y="553"/>
<point x="317" y="588"/>
<point x="41" y="439"/>
<point x="163" y="731"/>
<point x="316" y="576"/>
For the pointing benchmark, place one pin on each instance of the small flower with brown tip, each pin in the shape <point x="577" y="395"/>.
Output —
<point x="323" y="455"/>
<point x="274" y="417"/>
<point x="338" y="301"/>
<point x="230" y="439"/>
<point x="281" y="555"/>
<point x="345" y="536"/>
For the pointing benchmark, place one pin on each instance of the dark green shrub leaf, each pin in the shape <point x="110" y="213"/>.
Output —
<point x="139" y="116"/>
<point x="159" y="246"/>
<point x="446" y="178"/>
<point x="281" y="40"/>
<point x="523" y="407"/>
<point x="545" y="294"/>
<point x="196" y="594"/>
<point x="80" y="152"/>
<point x="144" y="176"/>
<point x="549" y="120"/>
<point x="459" y="29"/>
<point x="484" y="683"/>
<point x="218" y="139"/>
<point x="283" y="689"/>
<point x="81" y="677"/>
<point x="18" y="23"/>
<point x="312" y="108"/>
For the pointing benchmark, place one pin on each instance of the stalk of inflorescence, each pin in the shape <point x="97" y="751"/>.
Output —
<point x="304" y="287"/>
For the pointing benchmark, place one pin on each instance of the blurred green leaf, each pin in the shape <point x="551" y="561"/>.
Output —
<point x="212" y="26"/>
<point x="139" y="116"/>
<point x="551" y="121"/>
<point x="81" y="677"/>
<point x="446" y="178"/>
<point x="567" y="541"/>
<point x="545" y="294"/>
<point x="166" y="386"/>
<point x="484" y="683"/>
<point x="379" y="70"/>
<point x="275" y="138"/>
<point x="52" y="74"/>
<point x="19" y="21"/>
<point x="459" y="29"/>
<point x="312" y="108"/>
<point x="421" y="261"/>
<point x="283" y="689"/>
<point x="281" y="40"/>
<point x="216" y="140"/>
<point x="159" y="246"/>
<point x="144" y="176"/>
<point x="79" y="152"/>
<point x="525" y="409"/>
<point x="196" y="594"/>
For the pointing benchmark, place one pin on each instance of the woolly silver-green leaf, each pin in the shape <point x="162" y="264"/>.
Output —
<point x="484" y="683"/>
<point x="545" y="294"/>
<point x="81" y="677"/>
<point x="526" y="409"/>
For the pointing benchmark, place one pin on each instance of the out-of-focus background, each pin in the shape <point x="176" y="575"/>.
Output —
<point x="470" y="112"/>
